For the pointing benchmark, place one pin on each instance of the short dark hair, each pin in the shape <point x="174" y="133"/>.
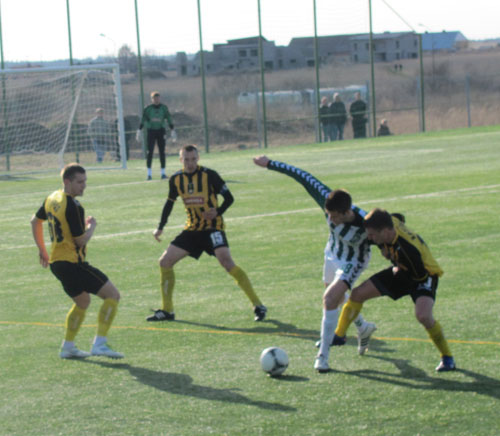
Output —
<point x="70" y="170"/>
<point x="154" y="94"/>
<point x="338" y="200"/>
<point x="378" y="219"/>
<point x="188" y="147"/>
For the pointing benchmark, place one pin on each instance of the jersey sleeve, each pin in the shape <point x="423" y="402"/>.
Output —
<point x="75" y="218"/>
<point x="168" y="117"/>
<point x="221" y="188"/>
<point x="169" y="204"/>
<point x="41" y="213"/>
<point x="145" y="117"/>
<point x="314" y="187"/>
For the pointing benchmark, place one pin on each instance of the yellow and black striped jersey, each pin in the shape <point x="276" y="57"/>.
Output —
<point x="410" y="253"/>
<point x="198" y="191"/>
<point x="65" y="217"/>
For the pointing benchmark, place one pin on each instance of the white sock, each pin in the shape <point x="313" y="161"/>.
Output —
<point x="328" y="324"/>
<point x="359" y="322"/>
<point x="163" y="171"/>
<point x="150" y="172"/>
<point x="99" y="340"/>
<point x="68" y="344"/>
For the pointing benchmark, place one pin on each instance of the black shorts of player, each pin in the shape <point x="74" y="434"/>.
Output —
<point x="78" y="277"/>
<point x="398" y="285"/>
<point x="197" y="242"/>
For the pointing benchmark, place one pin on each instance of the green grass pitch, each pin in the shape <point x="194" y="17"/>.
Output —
<point x="200" y="375"/>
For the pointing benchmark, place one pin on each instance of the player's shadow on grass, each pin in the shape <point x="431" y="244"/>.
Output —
<point x="182" y="384"/>
<point x="415" y="378"/>
<point x="268" y="326"/>
<point x="378" y="345"/>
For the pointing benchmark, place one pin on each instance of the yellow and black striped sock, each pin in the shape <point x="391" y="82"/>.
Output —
<point x="106" y="315"/>
<point x="437" y="336"/>
<point x="74" y="320"/>
<point x="167" y="283"/>
<point x="349" y="313"/>
<point x="244" y="283"/>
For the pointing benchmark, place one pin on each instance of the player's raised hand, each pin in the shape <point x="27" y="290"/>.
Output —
<point x="157" y="233"/>
<point x="261" y="160"/>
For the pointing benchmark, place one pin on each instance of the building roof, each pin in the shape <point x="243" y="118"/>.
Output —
<point x="441" y="40"/>
<point x="245" y="41"/>
<point x="379" y="36"/>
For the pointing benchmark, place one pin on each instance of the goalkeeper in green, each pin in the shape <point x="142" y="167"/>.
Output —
<point x="153" y="118"/>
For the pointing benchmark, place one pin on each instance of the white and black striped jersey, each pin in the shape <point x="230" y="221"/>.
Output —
<point x="347" y="242"/>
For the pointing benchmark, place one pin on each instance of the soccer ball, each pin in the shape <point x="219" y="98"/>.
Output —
<point x="274" y="361"/>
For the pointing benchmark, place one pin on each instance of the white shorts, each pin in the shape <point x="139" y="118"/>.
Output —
<point x="349" y="272"/>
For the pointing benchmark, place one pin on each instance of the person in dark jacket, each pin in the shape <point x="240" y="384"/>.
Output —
<point x="339" y="117"/>
<point x="358" y="114"/>
<point x="383" y="129"/>
<point x="325" y="119"/>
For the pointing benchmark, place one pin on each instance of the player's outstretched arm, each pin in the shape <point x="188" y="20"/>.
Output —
<point x="314" y="187"/>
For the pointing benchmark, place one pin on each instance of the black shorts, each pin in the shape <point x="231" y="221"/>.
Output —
<point x="78" y="277"/>
<point x="398" y="285"/>
<point x="197" y="242"/>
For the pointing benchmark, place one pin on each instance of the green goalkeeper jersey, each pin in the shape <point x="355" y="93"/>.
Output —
<point x="154" y="117"/>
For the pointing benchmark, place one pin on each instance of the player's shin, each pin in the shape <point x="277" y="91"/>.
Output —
<point x="437" y="336"/>
<point x="106" y="316"/>
<point x="349" y="313"/>
<point x="244" y="283"/>
<point x="74" y="320"/>
<point x="328" y="324"/>
<point x="167" y="283"/>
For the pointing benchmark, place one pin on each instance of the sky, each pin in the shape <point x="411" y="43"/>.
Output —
<point x="37" y="30"/>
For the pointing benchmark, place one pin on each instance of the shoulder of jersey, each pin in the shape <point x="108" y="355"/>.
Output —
<point x="359" y="211"/>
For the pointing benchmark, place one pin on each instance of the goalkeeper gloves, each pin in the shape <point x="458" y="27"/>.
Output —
<point x="173" y="135"/>
<point x="138" y="135"/>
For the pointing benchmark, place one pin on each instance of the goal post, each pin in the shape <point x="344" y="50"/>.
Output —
<point x="54" y="115"/>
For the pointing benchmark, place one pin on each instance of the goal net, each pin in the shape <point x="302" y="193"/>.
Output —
<point x="52" y="116"/>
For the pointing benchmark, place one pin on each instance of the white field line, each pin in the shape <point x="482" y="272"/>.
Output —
<point x="272" y="214"/>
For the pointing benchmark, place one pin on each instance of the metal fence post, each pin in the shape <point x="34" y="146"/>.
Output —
<point x="203" y="83"/>
<point x="4" y="103"/>
<point x="316" y="68"/>
<point x="422" y="85"/>
<point x="467" y="95"/>
<point x="141" y="82"/>
<point x="263" y="83"/>
<point x="372" y="69"/>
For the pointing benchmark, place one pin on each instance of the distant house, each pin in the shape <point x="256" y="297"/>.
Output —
<point x="237" y="55"/>
<point x="242" y="55"/>
<point x="443" y="41"/>
<point x="330" y="48"/>
<point x="387" y="47"/>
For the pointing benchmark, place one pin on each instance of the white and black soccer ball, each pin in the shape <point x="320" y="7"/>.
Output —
<point x="274" y="361"/>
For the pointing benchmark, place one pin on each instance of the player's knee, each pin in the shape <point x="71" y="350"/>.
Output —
<point x="425" y="319"/>
<point x="164" y="262"/>
<point x="328" y="301"/>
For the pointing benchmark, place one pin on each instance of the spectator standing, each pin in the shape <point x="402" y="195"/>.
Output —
<point x="100" y="133"/>
<point x="358" y="114"/>
<point x="339" y="117"/>
<point x="325" y="118"/>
